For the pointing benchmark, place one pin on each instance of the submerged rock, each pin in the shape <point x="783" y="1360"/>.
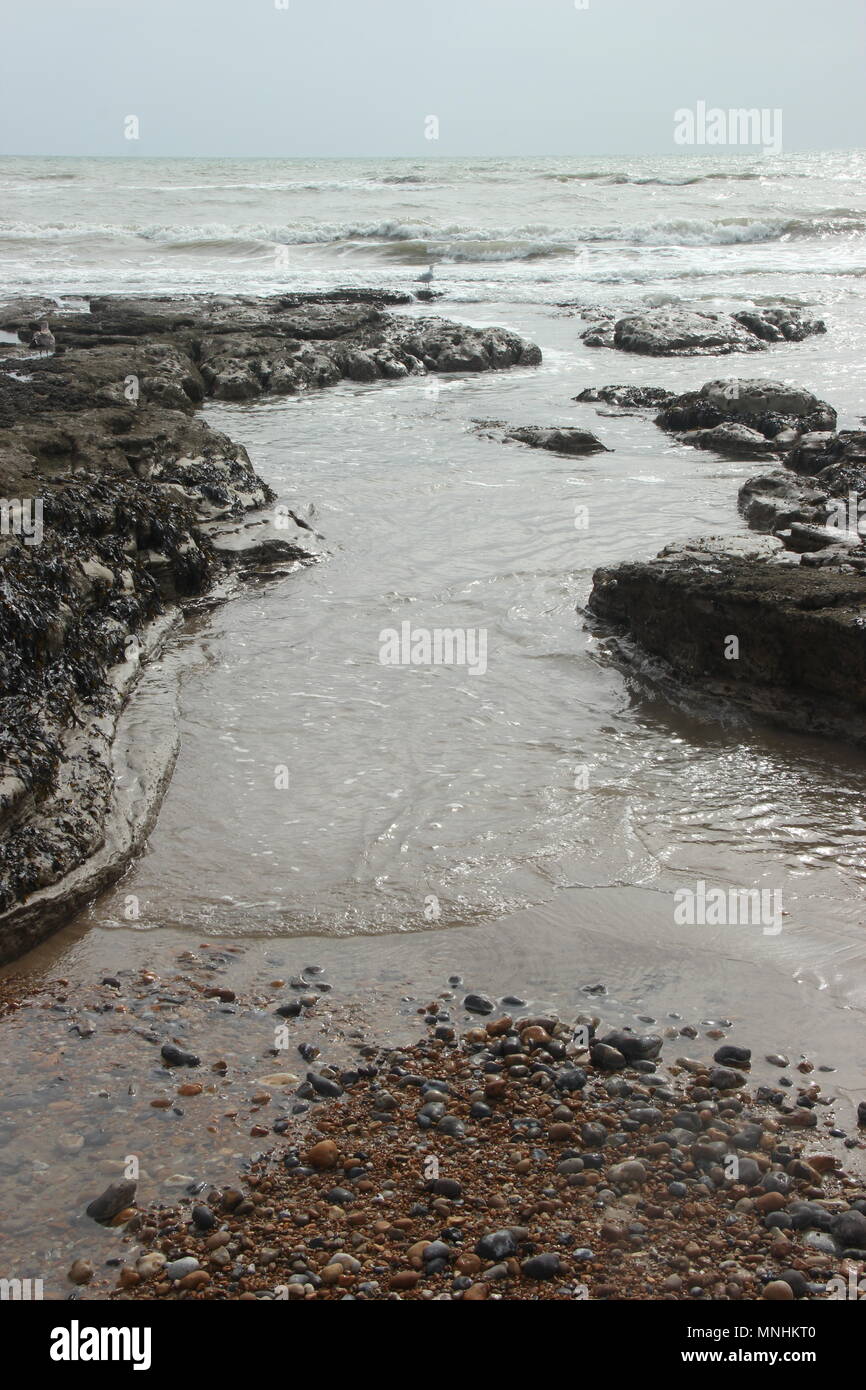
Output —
<point x="562" y="439"/>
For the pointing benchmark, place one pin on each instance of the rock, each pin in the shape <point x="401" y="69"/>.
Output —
<point x="767" y="406"/>
<point x="81" y="1272"/>
<point x="546" y="1266"/>
<point x="724" y="1079"/>
<point x="496" y="1245"/>
<point x="179" y="1269"/>
<point x="628" y="397"/>
<point x="571" y="1079"/>
<point x="778" y="1291"/>
<point x="780" y="324"/>
<point x="115" y="1199"/>
<point x="325" y="1154"/>
<point x="203" y="1218"/>
<point x="175" y="1056"/>
<point x="801" y="643"/>
<point x="773" y="501"/>
<point x="729" y="1055"/>
<point x="683" y="333"/>
<point x="563" y="439"/>
<point x="446" y="1187"/>
<point x="606" y="1058"/>
<point x="478" y="1004"/>
<point x="849" y="1229"/>
<point x="324" y="1086"/>
<point x="631" y="1172"/>
<point x="632" y="1046"/>
<point x="730" y="438"/>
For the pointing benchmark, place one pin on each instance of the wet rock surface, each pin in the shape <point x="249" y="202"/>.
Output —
<point x="563" y="439"/>
<point x="800" y="657"/>
<point x="690" y="332"/>
<point x="796" y="608"/>
<point x="144" y="507"/>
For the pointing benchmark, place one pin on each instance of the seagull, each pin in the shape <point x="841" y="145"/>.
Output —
<point x="426" y="276"/>
<point x="43" y="339"/>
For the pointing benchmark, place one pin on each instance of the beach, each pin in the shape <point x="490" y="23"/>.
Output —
<point x="372" y="539"/>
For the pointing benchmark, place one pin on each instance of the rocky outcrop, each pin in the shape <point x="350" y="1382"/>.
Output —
<point x="142" y="506"/>
<point x="774" y="409"/>
<point x="780" y="639"/>
<point x="677" y="331"/>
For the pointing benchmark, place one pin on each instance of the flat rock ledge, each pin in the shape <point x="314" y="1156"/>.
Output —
<point x="143" y="508"/>
<point x="799" y="655"/>
<point x="557" y="439"/>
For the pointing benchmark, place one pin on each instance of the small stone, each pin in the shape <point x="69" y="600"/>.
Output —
<point x="81" y="1272"/>
<point x="542" y="1266"/>
<point x="325" y="1154"/>
<point x="323" y="1085"/>
<point x="175" y="1056"/>
<point x="112" y="1201"/>
<point x="496" y="1245"/>
<point x="478" y="1004"/>
<point x="778" y="1291"/>
<point x="178" y="1269"/>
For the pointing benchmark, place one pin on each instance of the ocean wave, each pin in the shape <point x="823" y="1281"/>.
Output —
<point x="411" y="240"/>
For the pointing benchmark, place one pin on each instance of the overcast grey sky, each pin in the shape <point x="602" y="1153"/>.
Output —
<point x="359" y="77"/>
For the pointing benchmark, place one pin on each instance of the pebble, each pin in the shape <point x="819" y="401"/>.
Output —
<point x="778" y="1291"/>
<point x="178" y="1269"/>
<point x="734" y="1056"/>
<point x="478" y="1004"/>
<point x="175" y="1056"/>
<point x="496" y="1245"/>
<point x="323" y="1086"/>
<point x="542" y="1267"/>
<point x="81" y="1272"/>
<point x="325" y="1154"/>
<point x="112" y="1201"/>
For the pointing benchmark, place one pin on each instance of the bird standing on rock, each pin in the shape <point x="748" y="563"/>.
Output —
<point x="43" y="339"/>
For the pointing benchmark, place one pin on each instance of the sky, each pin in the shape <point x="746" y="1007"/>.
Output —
<point x="363" y="77"/>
